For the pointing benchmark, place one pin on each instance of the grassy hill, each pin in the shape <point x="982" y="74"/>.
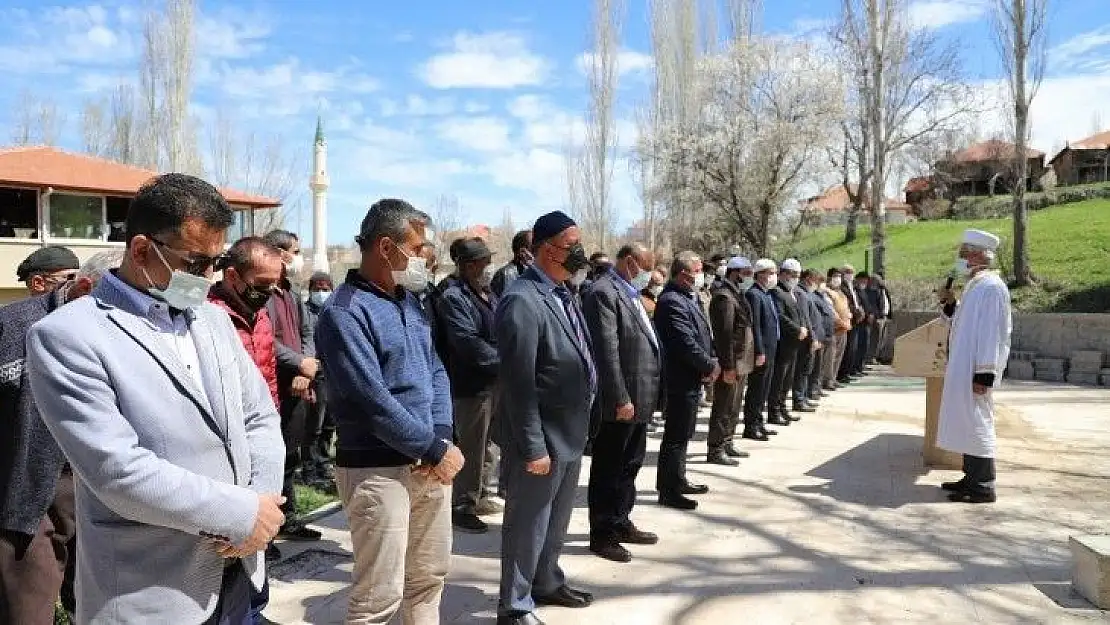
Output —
<point x="1069" y="249"/>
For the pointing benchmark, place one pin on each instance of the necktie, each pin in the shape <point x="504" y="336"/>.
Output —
<point x="572" y="316"/>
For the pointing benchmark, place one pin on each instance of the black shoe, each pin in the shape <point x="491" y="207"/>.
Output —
<point x="273" y="554"/>
<point x="973" y="497"/>
<point x="610" y="550"/>
<point x="778" y="420"/>
<point x="755" y="435"/>
<point x="718" y="456"/>
<point x="693" y="489"/>
<point x="767" y="432"/>
<point x="955" y="487"/>
<point x="829" y="387"/>
<point x="677" y="502"/>
<point x="566" y="597"/>
<point x="527" y="618"/>
<point x="844" y="381"/>
<point x="733" y="452"/>
<point x="633" y="535"/>
<point x="468" y="522"/>
<point x="298" y="532"/>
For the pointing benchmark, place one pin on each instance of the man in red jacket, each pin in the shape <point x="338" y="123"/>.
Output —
<point x="251" y="273"/>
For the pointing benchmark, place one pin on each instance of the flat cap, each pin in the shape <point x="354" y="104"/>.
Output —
<point x="550" y="225"/>
<point x="47" y="260"/>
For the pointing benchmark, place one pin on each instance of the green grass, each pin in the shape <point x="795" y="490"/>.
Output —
<point x="309" y="499"/>
<point x="1069" y="250"/>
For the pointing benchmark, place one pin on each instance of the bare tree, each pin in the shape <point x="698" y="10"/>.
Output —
<point x="257" y="165"/>
<point x="128" y="143"/>
<point x="447" y="219"/>
<point x="165" y="88"/>
<point x="1021" y="33"/>
<point x="96" y="131"/>
<point x="38" y="121"/>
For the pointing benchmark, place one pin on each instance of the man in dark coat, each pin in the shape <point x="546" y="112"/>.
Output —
<point x="847" y="372"/>
<point x="629" y="368"/>
<point x="824" y="327"/>
<point x="37" y="515"/>
<point x="798" y="388"/>
<point x="793" y="331"/>
<point x="730" y="317"/>
<point x="47" y="268"/>
<point x="548" y="383"/>
<point x="522" y="259"/>
<point x="861" y="286"/>
<point x="765" y="336"/>
<point x="689" y="364"/>
<point x="466" y="322"/>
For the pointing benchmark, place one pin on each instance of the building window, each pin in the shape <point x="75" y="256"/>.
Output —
<point x="19" y="213"/>
<point x="115" y="215"/>
<point x="76" y="216"/>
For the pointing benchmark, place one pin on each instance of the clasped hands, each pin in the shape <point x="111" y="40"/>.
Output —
<point x="447" y="468"/>
<point x="267" y="523"/>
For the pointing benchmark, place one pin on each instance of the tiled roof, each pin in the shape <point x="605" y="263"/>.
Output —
<point x="1095" y="142"/>
<point x="50" y="167"/>
<point x="919" y="184"/>
<point x="992" y="150"/>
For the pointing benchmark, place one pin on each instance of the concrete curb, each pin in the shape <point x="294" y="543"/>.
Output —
<point x="325" y="510"/>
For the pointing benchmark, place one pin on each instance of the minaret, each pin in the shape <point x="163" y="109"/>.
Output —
<point x="319" y="184"/>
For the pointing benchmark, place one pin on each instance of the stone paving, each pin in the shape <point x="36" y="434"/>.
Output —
<point x="833" y="521"/>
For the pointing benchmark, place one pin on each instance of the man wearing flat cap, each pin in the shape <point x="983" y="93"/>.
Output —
<point x="47" y="268"/>
<point x="466" y="322"/>
<point x="548" y="382"/>
<point x="978" y="349"/>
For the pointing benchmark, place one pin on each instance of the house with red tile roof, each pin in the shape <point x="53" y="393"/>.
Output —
<point x="50" y="196"/>
<point x="1084" y="161"/>
<point x="986" y="168"/>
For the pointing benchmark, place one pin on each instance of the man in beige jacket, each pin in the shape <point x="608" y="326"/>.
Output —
<point x="830" y="359"/>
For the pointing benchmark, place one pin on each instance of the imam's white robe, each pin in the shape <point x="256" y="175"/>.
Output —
<point x="978" y="342"/>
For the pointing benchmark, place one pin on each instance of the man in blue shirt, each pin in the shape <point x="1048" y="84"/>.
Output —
<point x="389" y="394"/>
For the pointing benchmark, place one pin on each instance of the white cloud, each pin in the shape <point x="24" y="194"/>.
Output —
<point x="495" y="60"/>
<point x="58" y="39"/>
<point x="1089" y="51"/>
<point x="231" y="34"/>
<point x="418" y="106"/>
<point x="288" y="79"/>
<point x="934" y="14"/>
<point x="484" y="134"/>
<point x="628" y="62"/>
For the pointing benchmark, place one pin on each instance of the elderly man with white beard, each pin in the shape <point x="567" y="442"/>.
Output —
<point x="978" y="348"/>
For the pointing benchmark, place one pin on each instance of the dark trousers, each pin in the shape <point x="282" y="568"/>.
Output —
<point x="294" y="412"/>
<point x="619" y="450"/>
<point x="319" y="431"/>
<point x="473" y="416"/>
<point x="234" y="605"/>
<point x="728" y="401"/>
<point x="259" y="599"/>
<point x="755" y="399"/>
<point x="813" y="383"/>
<point x="537" y="514"/>
<point x="782" y="380"/>
<point x="848" y="362"/>
<point x="979" y="473"/>
<point x="33" y="574"/>
<point x="680" y="419"/>
<point x="859" y="354"/>
<point x="803" y="367"/>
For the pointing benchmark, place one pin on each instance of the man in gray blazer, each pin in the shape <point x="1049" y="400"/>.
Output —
<point x="629" y="367"/>
<point x="168" y="425"/>
<point x="548" y="382"/>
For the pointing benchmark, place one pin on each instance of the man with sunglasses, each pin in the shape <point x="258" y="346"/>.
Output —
<point x="47" y="268"/>
<point x="169" y="427"/>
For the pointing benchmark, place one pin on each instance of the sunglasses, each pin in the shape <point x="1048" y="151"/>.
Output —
<point x="62" y="279"/>
<point x="195" y="264"/>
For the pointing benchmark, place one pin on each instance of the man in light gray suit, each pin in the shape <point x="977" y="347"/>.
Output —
<point x="630" y="368"/>
<point x="168" y="425"/>
<point x="548" y="384"/>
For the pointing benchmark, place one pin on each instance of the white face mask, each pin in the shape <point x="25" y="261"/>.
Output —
<point x="772" y="281"/>
<point x="184" y="290"/>
<point x="790" y="284"/>
<point x="722" y="270"/>
<point x="486" y="277"/>
<point x="699" y="281"/>
<point x="656" y="291"/>
<point x="641" y="281"/>
<point x="961" y="267"/>
<point x="579" y="277"/>
<point x="835" y="282"/>
<point x="414" y="277"/>
<point x="746" y="282"/>
<point x="294" y="267"/>
<point x="319" y="297"/>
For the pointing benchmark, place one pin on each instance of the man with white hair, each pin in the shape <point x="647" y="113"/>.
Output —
<point x="978" y="349"/>
<point x="37" y="523"/>
<point x="765" y="336"/>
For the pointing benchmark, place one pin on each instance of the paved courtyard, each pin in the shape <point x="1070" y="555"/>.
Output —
<point x="833" y="521"/>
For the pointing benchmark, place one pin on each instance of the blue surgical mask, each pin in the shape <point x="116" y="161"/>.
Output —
<point x="319" y="297"/>
<point x="642" y="280"/>
<point x="184" y="290"/>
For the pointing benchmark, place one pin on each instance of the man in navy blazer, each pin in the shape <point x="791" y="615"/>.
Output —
<point x="765" y="327"/>
<point x="548" y="382"/>
<point x="689" y="364"/>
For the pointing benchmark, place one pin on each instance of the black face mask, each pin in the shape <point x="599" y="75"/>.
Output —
<point x="576" y="258"/>
<point x="255" y="298"/>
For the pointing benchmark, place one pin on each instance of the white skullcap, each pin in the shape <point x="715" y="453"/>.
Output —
<point x="738" y="262"/>
<point x="792" y="264"/>
<point x="764" y="264"/>
<point x="847" y="267"/>
<point x="981" y="240"/>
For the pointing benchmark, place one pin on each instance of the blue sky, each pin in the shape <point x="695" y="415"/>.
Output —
<point x="475" y="99"/>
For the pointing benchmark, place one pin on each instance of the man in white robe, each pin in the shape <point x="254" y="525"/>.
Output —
<point x="978" y="348"/>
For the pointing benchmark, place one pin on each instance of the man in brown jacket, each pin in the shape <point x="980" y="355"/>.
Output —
<point x="842" y="324"/>
<point x="730" y="318"/>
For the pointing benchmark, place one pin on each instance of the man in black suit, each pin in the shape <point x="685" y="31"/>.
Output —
<point x="765" y="336"/>
<point x="880" y="300"/>
<point x="548" y="382"/>
<point x="861" y="287"/>
<point x="689" y="363"/>
<point x="822" y="315"/>
<point x="730" y="317"/>
<point x="629" y="368"/>
<point x="846" y="374"/>
<point x="803" y="363"/>
<point x="793" y="331"/>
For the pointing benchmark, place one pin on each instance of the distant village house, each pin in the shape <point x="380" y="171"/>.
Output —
<point x="1083" y="162"/>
